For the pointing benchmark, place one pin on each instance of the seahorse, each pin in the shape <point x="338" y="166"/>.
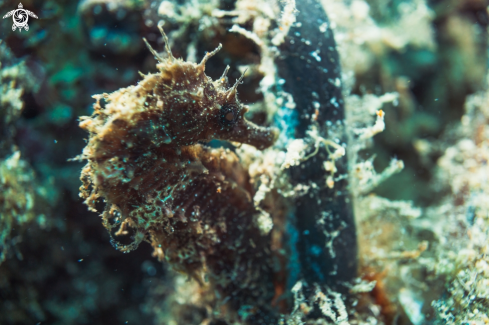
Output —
<point x="193" y="203"/>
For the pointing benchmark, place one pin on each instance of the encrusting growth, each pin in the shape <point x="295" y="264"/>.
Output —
<point x="162" y="185"/>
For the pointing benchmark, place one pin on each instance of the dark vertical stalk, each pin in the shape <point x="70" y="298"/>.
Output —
<point x="310" y="65"/>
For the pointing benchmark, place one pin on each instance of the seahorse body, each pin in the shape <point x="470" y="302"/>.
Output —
<point x="191" y="202"/>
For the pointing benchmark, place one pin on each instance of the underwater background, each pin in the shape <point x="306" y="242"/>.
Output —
<point x="402" y="147"/>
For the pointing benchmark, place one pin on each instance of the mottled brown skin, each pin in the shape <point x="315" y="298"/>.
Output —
<point x="192" y="203"/>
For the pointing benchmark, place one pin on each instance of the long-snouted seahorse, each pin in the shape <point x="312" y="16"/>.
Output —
<point x="160" y="184"/>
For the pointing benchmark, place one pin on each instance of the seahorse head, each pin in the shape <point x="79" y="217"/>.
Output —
<point x="177" y="106"/>
<point x="196" y="108"/>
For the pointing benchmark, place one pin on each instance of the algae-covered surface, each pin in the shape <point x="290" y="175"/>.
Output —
<point x="244" y="162"/>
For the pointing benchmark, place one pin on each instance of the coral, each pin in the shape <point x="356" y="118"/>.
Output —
<point x="362" y="39"/>
<point x="14" y="81"/>
<point x="16" y="199"/>
<point x="428" y="264"/>
<point x="191" y="202"/>
<point x="463" y="259"/>
<point x="16" y="176"/>
<point x="414" y="48"/>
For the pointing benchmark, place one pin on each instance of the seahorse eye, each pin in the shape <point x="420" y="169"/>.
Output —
<point x="228" y="115"/>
